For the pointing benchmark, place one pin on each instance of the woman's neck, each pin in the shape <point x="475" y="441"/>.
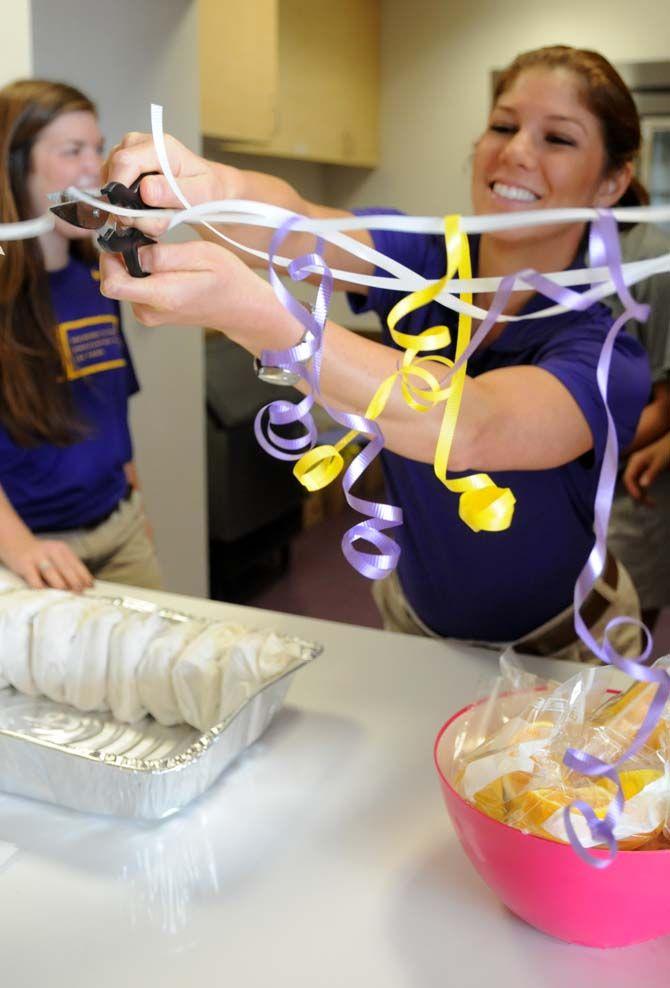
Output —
<point x="55" y="250"/>
<point x="499" y="257"/>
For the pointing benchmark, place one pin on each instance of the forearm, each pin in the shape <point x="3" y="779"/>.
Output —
<point x="237" y="183"/>
<point x="132" y="477"/>
<point x="13" y="531"/>
<point x="40" y="562"/>
<point x="494" y="430"/>
<point x="654" y="420"/>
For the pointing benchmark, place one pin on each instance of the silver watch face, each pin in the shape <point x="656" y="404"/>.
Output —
<point x="275" y="375"/>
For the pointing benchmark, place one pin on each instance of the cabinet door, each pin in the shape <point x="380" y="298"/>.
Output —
<point x="238" y="48"/>
<point x="328" y="90"/>
<point x="329" y="81"/>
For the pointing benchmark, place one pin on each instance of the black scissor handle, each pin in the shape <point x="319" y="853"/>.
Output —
<point x="127" y="196"/>
<point x="127" y="241"/>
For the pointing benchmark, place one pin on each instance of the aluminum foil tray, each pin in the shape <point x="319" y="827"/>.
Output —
<point x="94" y="763"/>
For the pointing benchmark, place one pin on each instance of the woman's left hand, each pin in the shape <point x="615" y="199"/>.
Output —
<point x="202" y="284"/>
<point x="644" y="466"/>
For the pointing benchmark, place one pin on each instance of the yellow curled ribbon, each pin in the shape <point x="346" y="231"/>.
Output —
<point x="321" y="465"/>
<point x="482" y="505"/>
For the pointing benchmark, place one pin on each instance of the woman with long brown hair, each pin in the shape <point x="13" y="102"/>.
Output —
<point x="69" y="508"/>
<point x="563" y="132"/>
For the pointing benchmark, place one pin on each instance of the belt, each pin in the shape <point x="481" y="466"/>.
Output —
<point x="90" y="525"/>
<point x="559" y="636"/>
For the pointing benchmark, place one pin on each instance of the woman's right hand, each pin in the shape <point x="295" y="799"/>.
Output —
<point x="46" y="563"/>
<point x="199" y="180"/>
<point x="644" y="466"/>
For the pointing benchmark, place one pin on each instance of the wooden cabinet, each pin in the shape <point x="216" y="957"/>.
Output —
<point x="238" y="56"/>
<point x="292" y="78"/>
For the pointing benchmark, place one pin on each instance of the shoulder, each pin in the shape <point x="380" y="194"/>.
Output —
<point x="583" y="344"/>
<point x="587" y="361"/>
<point x="583" y="337"/>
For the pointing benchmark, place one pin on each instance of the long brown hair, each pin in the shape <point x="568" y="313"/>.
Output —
<point x="35" y="404"/>
<point x="604" y="93"/>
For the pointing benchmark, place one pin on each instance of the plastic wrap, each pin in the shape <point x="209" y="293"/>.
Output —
<point x="509" y="758"/>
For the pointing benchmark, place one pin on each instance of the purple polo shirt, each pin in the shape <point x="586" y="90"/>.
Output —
<point x="497" y="586"/>
<point x="62" y="487"/>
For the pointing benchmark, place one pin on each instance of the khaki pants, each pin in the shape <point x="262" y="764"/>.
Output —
<point x="119" y="549"/>
<point x="398" y="615"/>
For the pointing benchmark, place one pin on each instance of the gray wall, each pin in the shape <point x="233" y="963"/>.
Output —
<point x="127" y="54"/>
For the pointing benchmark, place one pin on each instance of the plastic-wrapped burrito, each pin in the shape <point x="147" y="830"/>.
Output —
<point x="18" y="611"/>
<point x="198" y="673"/>
<point x="252" y="660"/>
<point x="86" y="670"/>
<point x="223" y="667"/>
<point x="127" y="645"/>
<point x="55" y="631"/>
<point x="154" y="673"/>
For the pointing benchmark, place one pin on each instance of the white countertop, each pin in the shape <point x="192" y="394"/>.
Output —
<point x="323" y="857"/>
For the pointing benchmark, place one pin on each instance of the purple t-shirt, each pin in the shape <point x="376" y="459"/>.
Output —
<point x="63" y="487"/>
<point x="497" y="586"/>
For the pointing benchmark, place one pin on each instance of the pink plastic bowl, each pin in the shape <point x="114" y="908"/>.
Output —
<point x="547" y="885"/>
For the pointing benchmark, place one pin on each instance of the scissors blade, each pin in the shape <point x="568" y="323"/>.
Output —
<point x="81" y="214"/>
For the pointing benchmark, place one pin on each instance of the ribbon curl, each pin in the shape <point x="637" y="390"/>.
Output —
<point x="317" y="467"/>
<point x="482" y="504"/>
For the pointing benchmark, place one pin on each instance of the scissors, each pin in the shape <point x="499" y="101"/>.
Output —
<point x="125" y="241"/>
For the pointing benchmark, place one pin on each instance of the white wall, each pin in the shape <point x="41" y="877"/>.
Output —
<point x="126" y="54"/>
<point x="16" y="50"/>
<point x="437" y="56"/>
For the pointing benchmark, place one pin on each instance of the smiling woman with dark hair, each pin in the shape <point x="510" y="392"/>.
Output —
<point x="68" y="505"/>
<point x="563" y="132"/>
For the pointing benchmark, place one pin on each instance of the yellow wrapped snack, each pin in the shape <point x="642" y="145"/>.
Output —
<point x="625" y="713"/>
<point x="540" y="811"/>
<point x="532" y="809"/>
<point x="494" y="799"/>
<point x="517" y="775"/>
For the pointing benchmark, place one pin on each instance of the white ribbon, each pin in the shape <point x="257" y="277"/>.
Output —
<point x="400" y="278"/>
<point x="26" y="229"/>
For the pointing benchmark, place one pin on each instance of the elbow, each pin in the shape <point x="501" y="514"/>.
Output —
<point x="468" y="449"/>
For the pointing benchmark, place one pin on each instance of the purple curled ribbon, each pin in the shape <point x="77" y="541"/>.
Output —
<point x="281" y="412"/>
<point x="605" y="250"/>
<point x="295" y="358"/>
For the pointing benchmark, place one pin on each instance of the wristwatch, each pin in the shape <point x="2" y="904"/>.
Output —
<point x="275" y="375"/>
